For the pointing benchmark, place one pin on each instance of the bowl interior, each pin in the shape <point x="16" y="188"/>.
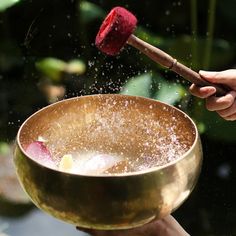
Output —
<point x="143" y="132"/>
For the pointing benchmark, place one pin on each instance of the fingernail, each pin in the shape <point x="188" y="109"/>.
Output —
<point x="208" y="90"/>
<point x="211" y="90"/>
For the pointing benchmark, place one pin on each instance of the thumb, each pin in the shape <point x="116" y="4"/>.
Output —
<point x="211" y="76"/>
<point x="227" y="77"/>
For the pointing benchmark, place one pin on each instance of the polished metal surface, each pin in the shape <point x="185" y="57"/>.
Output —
<point x="131" y="126"/>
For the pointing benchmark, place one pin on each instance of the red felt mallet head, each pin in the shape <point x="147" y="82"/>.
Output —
<point x="115" y="30"/>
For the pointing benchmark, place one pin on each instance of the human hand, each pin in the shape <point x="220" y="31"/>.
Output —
<point x="225" y="105"/>
<point x="164" y="227"/>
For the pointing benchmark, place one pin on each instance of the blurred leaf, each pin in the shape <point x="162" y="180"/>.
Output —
<point x="138" y="86"/>
<point x="181" y="49"/>
<point x="52" y="68"/>
<point x="4" y="148"/>
<point x="4" y="4"/>
<point x="214" y="126"/>
<point x="75" y="67"/>
<point x="90" y="11"/>
<point x="170" y="93"/>
<point x="154" y="87"/>
<point x="149" y="37"/>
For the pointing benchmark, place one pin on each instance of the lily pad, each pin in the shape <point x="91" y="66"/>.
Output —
<point x="170" y="93"/>
<point x="138" y="86"/>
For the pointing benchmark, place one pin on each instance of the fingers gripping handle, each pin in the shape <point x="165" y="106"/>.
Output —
<point x="166" y="60"/>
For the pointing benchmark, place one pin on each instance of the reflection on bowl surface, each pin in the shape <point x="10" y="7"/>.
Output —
<point x="120" y="161"/>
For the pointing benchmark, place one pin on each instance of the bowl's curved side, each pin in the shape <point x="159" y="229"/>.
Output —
<point x="105" y="201"/>
<point x="109" y="202"/>
<point x="188" y="170"/>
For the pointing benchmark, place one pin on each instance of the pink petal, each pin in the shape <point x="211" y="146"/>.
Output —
<point x="39" y="152"/>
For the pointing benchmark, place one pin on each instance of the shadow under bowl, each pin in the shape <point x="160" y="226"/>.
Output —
<point x="143" y="130"/>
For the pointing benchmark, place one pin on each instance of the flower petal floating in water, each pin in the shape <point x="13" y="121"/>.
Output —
<point x="38" y="151"/>
<point x="66" y="163"/>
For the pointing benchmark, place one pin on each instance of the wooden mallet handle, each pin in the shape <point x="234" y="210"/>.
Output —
<point x="166" y="60"/>
<point x="116" y="30"/>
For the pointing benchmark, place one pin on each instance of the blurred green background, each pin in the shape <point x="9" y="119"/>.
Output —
<point x="47" y="53"/>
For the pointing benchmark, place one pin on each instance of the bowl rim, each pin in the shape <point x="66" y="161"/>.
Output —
<point x="134" y="173"/>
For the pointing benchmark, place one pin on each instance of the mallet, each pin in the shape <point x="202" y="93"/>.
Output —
<point x="117" y="30"/>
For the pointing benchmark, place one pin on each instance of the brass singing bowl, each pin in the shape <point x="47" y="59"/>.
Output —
<point x="132" y="126"/>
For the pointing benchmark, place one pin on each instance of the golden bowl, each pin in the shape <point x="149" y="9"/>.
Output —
<point x="137" y="128"/>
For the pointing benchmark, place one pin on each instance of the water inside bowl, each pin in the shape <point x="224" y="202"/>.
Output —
<point x="111" y="135"/>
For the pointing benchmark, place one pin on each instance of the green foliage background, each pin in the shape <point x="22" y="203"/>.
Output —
<point x="49" y="45"/>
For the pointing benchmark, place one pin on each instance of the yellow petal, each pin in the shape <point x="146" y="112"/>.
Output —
<point x="66" y="163"/>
